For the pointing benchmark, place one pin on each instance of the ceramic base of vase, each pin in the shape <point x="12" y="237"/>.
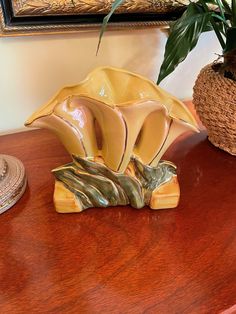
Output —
<point x="12" y="181"/>
<point x="89" y="183"/>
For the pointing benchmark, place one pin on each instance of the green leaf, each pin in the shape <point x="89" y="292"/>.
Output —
<point x="183" y="37"/>
<point x="226" y="7"/>
<point x="221" y="8"/>
<point x="230" y="40"/>
<point x="233" y="13"/>
<point x="106" y="19"/>
<point x="222" y="13"/>
<point x="220" y="18"/>
<point x="218" y="28"/>
<point x="221" y="26"/>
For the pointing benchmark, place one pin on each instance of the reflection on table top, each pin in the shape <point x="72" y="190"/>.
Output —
<point x="121" y="260"/>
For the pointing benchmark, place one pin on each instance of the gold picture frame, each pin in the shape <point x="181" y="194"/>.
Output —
<point x="29" y="17"/>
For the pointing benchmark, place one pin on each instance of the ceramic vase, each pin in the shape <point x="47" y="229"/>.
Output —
<point x="116" y="125"/>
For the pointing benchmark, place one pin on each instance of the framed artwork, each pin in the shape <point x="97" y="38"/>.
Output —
<point x="27" y="17"/>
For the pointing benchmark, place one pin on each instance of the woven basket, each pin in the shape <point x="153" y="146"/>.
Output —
<point x="214" y="98"/>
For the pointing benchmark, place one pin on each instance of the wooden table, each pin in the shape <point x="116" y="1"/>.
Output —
<point x="121" y="260"/>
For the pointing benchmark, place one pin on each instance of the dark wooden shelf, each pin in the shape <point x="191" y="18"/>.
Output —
<point x="121" y="260"/>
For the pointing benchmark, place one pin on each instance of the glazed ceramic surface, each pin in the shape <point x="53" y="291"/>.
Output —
<point x="112" y="118"/>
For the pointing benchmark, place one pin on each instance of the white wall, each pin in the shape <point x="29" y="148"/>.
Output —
<point x="34" y="68"/>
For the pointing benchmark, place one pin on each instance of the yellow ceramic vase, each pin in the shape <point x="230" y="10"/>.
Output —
<point x="116" y="125"/>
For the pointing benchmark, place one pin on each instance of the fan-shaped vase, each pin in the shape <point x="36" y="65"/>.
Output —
<point x="116" y="125"/>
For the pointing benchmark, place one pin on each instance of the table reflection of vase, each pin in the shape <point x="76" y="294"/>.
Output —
<point x="12" y="181"/>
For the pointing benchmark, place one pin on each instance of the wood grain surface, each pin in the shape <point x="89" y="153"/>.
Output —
<point x="121" y="260"/>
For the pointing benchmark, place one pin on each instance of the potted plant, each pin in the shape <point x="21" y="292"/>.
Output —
<point x="214" y="93"/>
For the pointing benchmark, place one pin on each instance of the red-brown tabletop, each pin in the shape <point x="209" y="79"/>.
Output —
<point x="121" y="260"/>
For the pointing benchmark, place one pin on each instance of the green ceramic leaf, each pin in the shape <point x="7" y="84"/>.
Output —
<point x="95" y="185"/>
<point x="129" y="185"/>
<point x="183" y="37"/>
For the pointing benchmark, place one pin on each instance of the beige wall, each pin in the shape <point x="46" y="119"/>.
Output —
<point x="34" y="68"/>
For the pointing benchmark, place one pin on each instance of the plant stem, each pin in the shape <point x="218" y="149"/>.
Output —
<point x="222" y="14"/>
<point x="218" y="34"/>
<point x="233" y="13"/>
<point x="221" y="8"/>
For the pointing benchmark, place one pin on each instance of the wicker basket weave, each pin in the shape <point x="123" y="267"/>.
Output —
<point x="214" y="98"/>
